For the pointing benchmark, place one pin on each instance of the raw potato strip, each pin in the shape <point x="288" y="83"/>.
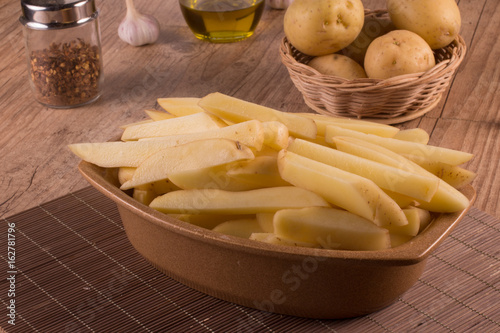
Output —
<point x="168" y="101"/>
<point x="267" y="151"/>
<point x="119" y="154"/>
<point x="403" y="201"/>
<point x="125" y="174"/>
<point x="317" y="116"/>
<point x="266" y="221"/>
<point x="262" y="171"/>
<point x="180" y="106"/>
<point x="157" y="188"/>
<point x="356" y="125"/>
<point x="411" y="229"/>
<point x="249" y="133"/>
<point x="397" y="239"/>
<point x="425" y="218"/>
<point x="243" y="228"/>
<point x="190" y="156"/>
<point x="183" y="110"/>
<point x="133" y="153"/>
<point x="413" y="135"/>
<point x="156" y="115"/>
<point x="180" y="125"/>
<point x="430" y="153"/>
<point x="270" y="238"/>
<point x="144" y="195"/>
<point x="327" y="226"/>
<point x="237" y="110"/>
<point x="212" y="177"/>
<point x="209" y="221"/>
<point x="386" y="177"/>
<point x="454" y="175"/>
<point x="275" y="134"/>
<point x="447" y="199"/>
<point x="361" y="148"/>
<point x="214" y="201"/>
<point x="351" y="192"/>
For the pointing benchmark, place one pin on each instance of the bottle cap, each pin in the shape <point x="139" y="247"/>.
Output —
<point x="56" y="14"/>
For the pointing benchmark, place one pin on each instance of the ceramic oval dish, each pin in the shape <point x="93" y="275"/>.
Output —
<point x="305" y="282"/>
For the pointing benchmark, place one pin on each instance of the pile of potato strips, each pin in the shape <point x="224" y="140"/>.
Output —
<point x="292" y="179"/>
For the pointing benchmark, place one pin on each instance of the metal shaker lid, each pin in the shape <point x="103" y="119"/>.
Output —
<point x="56" y="14"/>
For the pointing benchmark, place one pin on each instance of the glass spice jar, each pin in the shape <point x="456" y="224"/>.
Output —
<point x="63" y="49"/>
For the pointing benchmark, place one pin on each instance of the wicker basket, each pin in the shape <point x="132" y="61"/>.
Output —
<point x="389" y="101"/>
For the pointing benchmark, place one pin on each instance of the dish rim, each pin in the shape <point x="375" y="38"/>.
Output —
<point x="412" y="252"/>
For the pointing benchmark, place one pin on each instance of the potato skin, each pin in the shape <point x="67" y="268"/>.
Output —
<point x="438" y="22"/>
<point x="338" y="65"/>
<point x="320" y="27"/>
<point x="396" y="53"/>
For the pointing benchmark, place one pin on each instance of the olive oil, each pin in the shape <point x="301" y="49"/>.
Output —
<point x="222" y="21"/>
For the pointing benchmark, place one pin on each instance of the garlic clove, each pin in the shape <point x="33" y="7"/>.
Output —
<point x="138" y="29"/>
<point x="279" y="4"/>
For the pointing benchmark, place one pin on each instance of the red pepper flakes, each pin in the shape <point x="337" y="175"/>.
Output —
<point x="66" y="74"/>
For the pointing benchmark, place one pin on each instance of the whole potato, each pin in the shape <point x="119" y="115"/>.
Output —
<point x="320" y="27"/>
<point x="436" y="21"/>
<point x="338" y="65"/>
<point x="396" y="53"/>
<point x="373" y="27"/>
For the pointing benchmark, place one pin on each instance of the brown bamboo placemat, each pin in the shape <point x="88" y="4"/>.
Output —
<point x="75" y="271"/>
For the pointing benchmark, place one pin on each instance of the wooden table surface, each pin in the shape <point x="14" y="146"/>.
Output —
<point x="36" y="166"/>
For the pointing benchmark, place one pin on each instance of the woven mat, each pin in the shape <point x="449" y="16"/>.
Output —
<point x="75" y="271"/>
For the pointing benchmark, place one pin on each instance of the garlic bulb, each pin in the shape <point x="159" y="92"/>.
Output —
<point x="279" y="4"/>
<point x="138" y="29"/>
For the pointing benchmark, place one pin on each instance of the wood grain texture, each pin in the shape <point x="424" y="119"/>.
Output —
<point x="36" y="166"/>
